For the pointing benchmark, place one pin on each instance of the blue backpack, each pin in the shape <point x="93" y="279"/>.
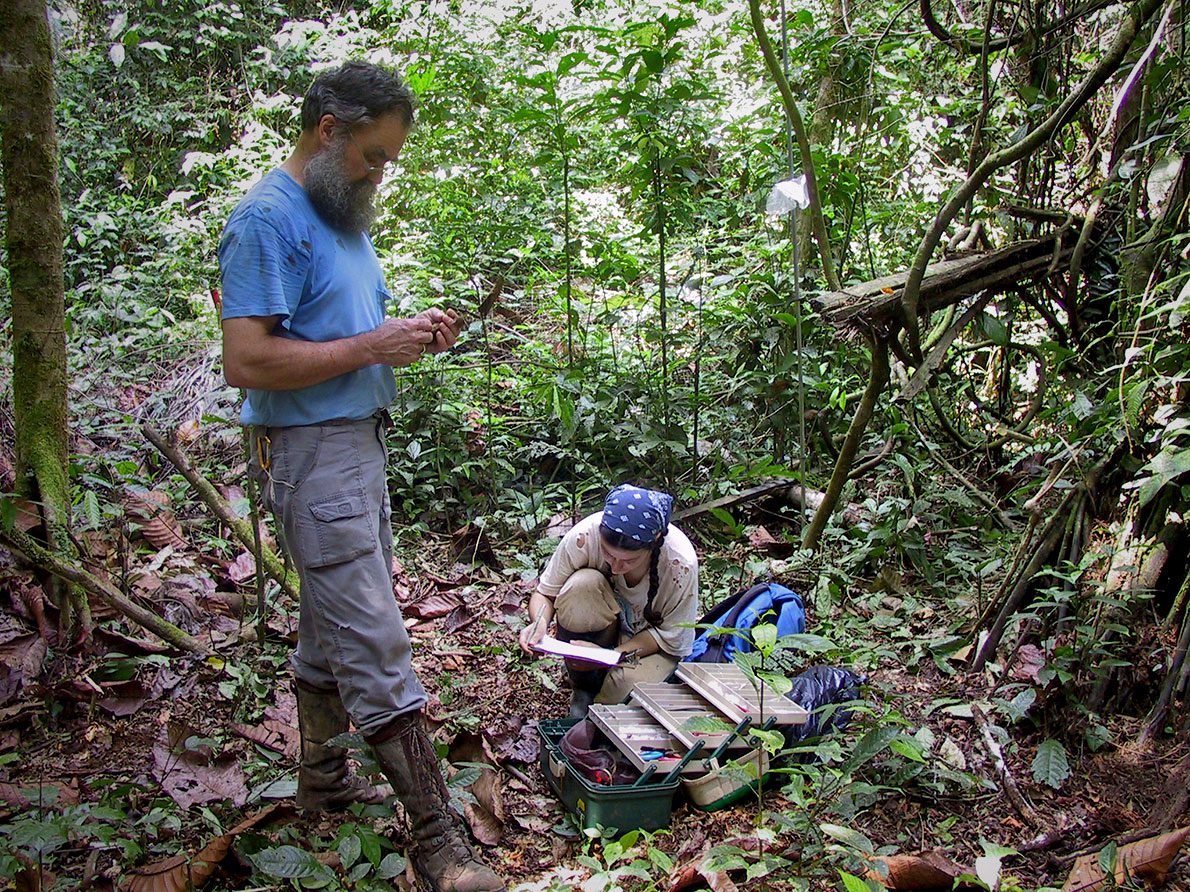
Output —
<point x="744" y="610"/>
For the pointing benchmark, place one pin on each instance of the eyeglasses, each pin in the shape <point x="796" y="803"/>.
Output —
<point x="369" y="166"/>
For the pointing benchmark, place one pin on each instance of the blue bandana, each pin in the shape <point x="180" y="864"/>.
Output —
<point x="639" y="514"/>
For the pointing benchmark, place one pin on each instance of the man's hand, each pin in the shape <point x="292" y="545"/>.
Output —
<point x="446" y="325"/>
<point x="401" y="342"/>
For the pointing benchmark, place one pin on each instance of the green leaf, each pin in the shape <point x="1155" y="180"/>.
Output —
<point x="392" y="866"/>
<point x="773" y="741"/>
<point x="1019" y="706"/>
<point x="91" y="509"/>
<point x="349" y="850"/>
<point x="289" y="863"/>
<point x="849" y="837"/>
<point x="726" y="519"/>
<point x="994" y="328"/>
<point x="779" y="683"/>
<point x="909" y="748"/>
<point x="1050" y="765"/>
<point x="660" y="860"/>
<point x="870" y="745"/>
<point x="465" y="777"/>
<point x="853" y="883"/>
<point x="1165" y="466"/>
<point x="764" y="637"/>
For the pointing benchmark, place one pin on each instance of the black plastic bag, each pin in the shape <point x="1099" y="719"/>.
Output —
<point x="820" y="686"/>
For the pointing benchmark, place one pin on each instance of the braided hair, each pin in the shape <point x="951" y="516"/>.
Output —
<point x="619" y="540"/>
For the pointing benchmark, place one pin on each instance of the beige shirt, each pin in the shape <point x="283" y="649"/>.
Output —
<point x="677" y="583"/>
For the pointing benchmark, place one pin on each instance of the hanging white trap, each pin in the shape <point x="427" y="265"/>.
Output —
<point x="788" y="195"/>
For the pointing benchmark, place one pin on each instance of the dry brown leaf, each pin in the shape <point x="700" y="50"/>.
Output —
<point x="471" y="544"/>
<point x="190" y="776"/>
<point x="123" y="698"/>
<point x="437" y="604"/>
<point x="242" y="568"/>
<point x="923" y="871"/>
<point x="188" y="431"/>
<point x="459" y="618"/>
<point x="1146" y="859"/>
<point x="276" y="736"/>
<point x="694" y="876"/>
<point x="152" y="511"/>
<point x="1029" y="662"/>
<point x="761" y="539"/>
<point x="28" y="515"/>
<point x="21" y="658"/>
<point x="181" y="873"/>
<point x="486" y="815"/>
<point x="30" y="877"/>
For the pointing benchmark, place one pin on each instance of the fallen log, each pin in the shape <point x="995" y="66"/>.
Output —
<point x="793" y="493"/>
<point x="46" y="560"/>
<point x="876" y="305"/>
<point x="219" y="506"/>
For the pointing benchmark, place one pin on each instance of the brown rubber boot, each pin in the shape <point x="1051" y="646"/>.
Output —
<point x="443" y="858"/>
<point x="325" y="783"/>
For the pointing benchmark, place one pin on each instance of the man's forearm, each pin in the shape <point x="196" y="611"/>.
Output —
<point x="280" y="363"/>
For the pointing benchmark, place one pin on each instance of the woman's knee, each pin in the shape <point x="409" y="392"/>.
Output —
<point x="586" y="602"/>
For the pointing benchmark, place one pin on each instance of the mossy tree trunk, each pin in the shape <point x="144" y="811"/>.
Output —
<point x="29" y="152"/>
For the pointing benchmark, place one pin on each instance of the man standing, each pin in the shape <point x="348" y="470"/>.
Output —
<point x="305" y="332"/>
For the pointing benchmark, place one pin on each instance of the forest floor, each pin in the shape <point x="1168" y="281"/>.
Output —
<point x="124" y="760"/>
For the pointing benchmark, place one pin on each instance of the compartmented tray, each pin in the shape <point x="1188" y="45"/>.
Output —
<point x="674" y="705"/>
<point x="729" y="691"/>
<point x="634" y="730"/>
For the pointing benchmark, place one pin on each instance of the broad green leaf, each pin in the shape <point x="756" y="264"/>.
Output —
<point x="779" y="683"/>
<point x="849" y="837"/>
<point x="91" y="509"/>
<point x="349" y="850"/>
<point x="465" y="777"/>
<point x="1050" y="765"/>
<point x="869" y="747"/>
<point x="288" y="863"/>
<point x="1166" y="465"/>
<point x="993" y="327"/>
<point x="661" y="860"/>
<point x="764" y="637"/>
<point x="909" y="748"/>
<point x="393" y="865"/>
<point x="1016" y="709"/>
<point x="852" y="883"/>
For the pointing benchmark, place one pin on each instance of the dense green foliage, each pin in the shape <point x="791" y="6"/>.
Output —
<point x="595" y="175"/>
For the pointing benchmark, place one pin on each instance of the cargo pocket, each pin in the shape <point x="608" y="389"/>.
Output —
<point x="343" y="529"/>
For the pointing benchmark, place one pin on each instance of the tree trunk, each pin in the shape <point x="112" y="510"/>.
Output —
<point x="34" y="241"/>
<point x="877" y="381"/>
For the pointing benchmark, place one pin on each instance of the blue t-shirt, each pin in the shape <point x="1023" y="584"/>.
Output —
<point x="278" y="258"/>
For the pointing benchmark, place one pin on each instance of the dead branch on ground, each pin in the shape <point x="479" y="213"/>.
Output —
<point x="219" y="506"/>
<point x="46" y="560"/>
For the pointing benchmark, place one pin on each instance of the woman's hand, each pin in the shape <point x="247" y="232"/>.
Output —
<point x="532" y="634"/>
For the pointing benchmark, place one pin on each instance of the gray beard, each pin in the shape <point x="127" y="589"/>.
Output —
<point x="345" y="205"/>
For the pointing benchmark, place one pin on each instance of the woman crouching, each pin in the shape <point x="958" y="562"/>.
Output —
<point x="625" y="579"/>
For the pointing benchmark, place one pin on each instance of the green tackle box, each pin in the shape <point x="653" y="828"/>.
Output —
<point x="621" y="806"/>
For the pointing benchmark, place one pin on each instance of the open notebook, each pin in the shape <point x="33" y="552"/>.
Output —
<point x="600" y="656"/>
